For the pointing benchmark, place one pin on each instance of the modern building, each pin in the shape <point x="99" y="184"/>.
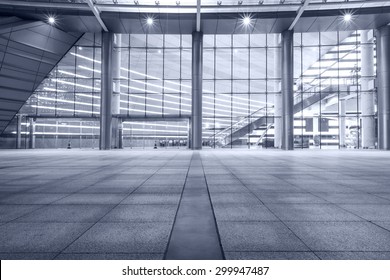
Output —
<point x="139" y="76"/>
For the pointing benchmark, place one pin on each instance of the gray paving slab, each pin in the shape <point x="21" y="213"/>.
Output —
<point x="14" y="189"/>
<point x="141" y="213"/>
<point x="30" y="198"/>
<point x="243" y="212"/>
<point x="288" y="197"/>
<point x="311" y="212"/>
<point x="38" y="237"/>
<point x="227" y="188"/>
<point x="83" y="198"/>
<point x="27" y="256"/>
<point x="354" y="180"/>
<point x="11" y="212"/>
<point x="233" y="198"/>
<point x="159" y="189"/>
<point x="67" y="213"/>
<point x="57" y="189"/>
<point x="342" y="236"/>
<point x="194" y="234"/>
<point x="108" y="190"/>
<point x="354" y="198"/>
<point x="385" y="225"/>
<point x="371" y="212"/>
<point x="385" y="195"/>
<point x="111" y="256"/>
<point x="258" y="236"/>
<point x="354" y="255"/>
<point x="127" y="238"/>
<point x="153" y="198"/>
<point x="270" y="256"/>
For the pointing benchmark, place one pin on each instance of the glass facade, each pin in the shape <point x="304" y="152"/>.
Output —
<point x="239" y="83"/>
<point x="241" y="89"/>
<point x="328" y="73"/>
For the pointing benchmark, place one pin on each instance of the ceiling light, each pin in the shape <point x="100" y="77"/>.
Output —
<point x="149" y="21"/>
<point x="246" y="20"/>
<point x="347" y="17"/>
<point x="51" y="20"/>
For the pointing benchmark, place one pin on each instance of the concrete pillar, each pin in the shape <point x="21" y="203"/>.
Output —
<point x="18" y="131"/>
<point x="31" y="142"/>
<point x="106" y="91"/>
<point x="196" y="112"/>
<point x="367" y="90"/>
<point x="342" y="124"/>
<point x="383" y="85"/>
<point x="278" y="106"/>
<point x="116" y="75"/>
<point x="288" y="90"/>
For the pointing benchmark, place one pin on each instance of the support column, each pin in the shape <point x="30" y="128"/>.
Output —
<point x="120" y="133"/>
<point x="278" y="108"/>
<point x="288" y="90"/>
<point x="367" y="91"/>
<point x="18" y="131"/>
<point x="383" y="85"/>
<point x="196" y="112"/>
<point x="116" y="75"/>
<point x="316" y="130"/>
<point x="342" y="125"/>
<point x="106" y="91"/>
<point x="31" y="142"/>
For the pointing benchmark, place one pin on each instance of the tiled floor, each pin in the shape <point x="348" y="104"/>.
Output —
<point x="73" y="204"/>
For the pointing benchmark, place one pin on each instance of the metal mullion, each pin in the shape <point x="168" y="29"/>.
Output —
<point x="163" y="77"/>
<point x="93" y="75"/>
<point x="146" y="69"/>
<point x="180" y="76"/>
<point x="128" y="80"/>
<point x="320" y="84"/>
<point x="231" y="91"/>
<point x="266" y="81"/>
<point x="74" y="81"/>
<point x="359" y="122"/>
<point x="215" y="81"/>
<point x="56" y="86"/>
<point x="301" y="91"/>
<point x="248" y="87"/>
<point x="338" y="84"/>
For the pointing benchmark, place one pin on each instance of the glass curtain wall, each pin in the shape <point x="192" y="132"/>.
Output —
<point x="155" y="83"/>
<point x="155" y="75"/>
<point x="240" y="80"/>
<point x="327" y="71"/>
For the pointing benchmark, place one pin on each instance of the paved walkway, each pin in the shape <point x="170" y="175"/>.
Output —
<point x="179" y="204"/>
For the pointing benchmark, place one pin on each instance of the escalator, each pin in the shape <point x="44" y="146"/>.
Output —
<point x="264" y="117"/>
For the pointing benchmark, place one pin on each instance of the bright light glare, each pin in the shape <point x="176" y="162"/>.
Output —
<point x="347" y="17"/>
<point x="246" y="20"/>
<point x="51" y="20"/>
<point x="149" y="21"/>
